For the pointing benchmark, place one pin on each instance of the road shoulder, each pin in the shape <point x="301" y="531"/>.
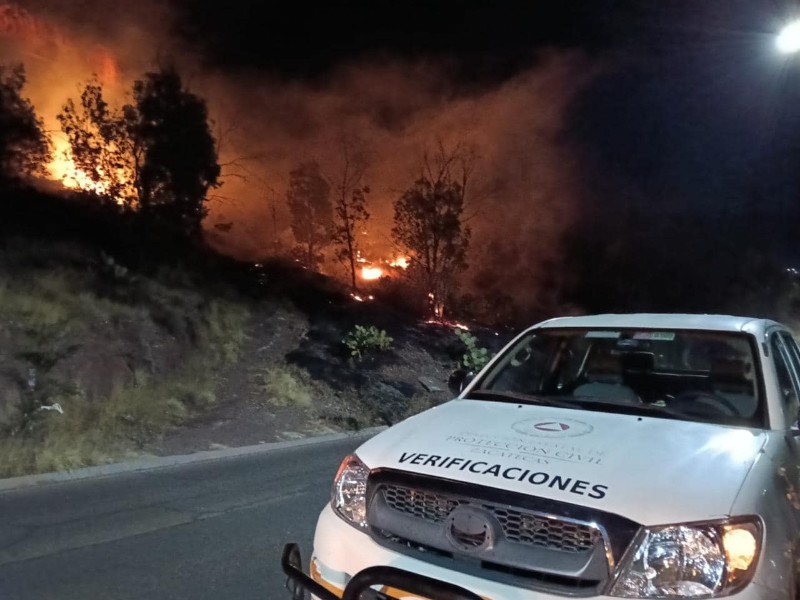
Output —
<point x="161" y="462"/>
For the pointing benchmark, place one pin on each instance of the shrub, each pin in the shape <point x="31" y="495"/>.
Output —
<point x="112" y="268"/>
<point x="475" y="358"/>
<point x="361" y="340"/>
<point x="287" y="386"/>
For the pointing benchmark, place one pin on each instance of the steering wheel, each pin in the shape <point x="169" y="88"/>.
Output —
<point x="693" y="399"/>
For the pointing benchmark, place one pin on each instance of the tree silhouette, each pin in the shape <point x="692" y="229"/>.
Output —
<point x="350" y="211"/>
<point x="428" y="222"/>
<point x="24" y="147"/>
<point x="309" y="202"/>
<point x="100" y="146"/>
<point x="175" y="155"/>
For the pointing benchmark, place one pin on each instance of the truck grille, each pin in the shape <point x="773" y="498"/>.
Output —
<point x="518" y="526"/>
<point x="518" y="539"/>
<point x="525" y="528"/>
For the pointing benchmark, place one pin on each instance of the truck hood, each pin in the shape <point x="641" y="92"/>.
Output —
<point x="650" y="470"/>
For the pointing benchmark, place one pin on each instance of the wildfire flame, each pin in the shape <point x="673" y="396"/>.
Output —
<point x="46" y="44"/>
<point x="401" y="262"/>
<point x="371" y="273"/>
<point x="62" y="168"/>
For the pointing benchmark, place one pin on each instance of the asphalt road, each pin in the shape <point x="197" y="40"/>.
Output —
<point x="200" y="531"/>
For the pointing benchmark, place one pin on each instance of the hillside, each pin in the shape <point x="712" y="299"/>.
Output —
<point x="108" y="350"/>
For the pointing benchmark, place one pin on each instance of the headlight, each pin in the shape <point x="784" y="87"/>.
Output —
<point x="349" y="495"/>
<point x="692" y="560"/>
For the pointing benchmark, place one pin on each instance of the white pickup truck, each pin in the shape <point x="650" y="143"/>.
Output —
<point x="622" y="456"/>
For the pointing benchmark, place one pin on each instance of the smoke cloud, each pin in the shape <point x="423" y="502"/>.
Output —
<point x="525" y="187"/>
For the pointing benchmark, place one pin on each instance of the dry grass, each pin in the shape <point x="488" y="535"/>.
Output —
<point x="48" y="310"/>
<point x="100" y="432"/>
<point x="225" y="325"/>
<point x="285" y="385"/>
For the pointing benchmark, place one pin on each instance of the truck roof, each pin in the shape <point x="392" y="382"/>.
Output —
<point x="667" y="321"/>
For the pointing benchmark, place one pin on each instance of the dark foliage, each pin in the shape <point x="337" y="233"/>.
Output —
<point x="103" y="228"/>
<point x="350" y="208"/>
<point x="312" y="214"/>
<point x="24" y="147"/>
<point x="428" y="223"/>
<point x="175" y="153"/>
<point x="156" y="156"/>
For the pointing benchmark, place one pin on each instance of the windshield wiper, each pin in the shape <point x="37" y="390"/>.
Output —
<point x="502" y="396"/>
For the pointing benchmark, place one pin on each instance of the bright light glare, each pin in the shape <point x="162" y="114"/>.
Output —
<point x="370" y="273"/>
<point x="740" y="548"/>
<point x="738" y="444"/>
<point x="788" y="40"/>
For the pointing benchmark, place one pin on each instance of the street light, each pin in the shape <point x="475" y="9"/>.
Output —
<point x="788" y="40"/>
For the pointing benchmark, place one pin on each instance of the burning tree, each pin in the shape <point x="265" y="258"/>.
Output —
<point x="350" y="212"/>
<point x="100" y="147"/>
<point x="24" y="147"/>
<point x="156" y="156"/>
<point x="428" y="221"/>
<point x="174" y="151"/>
<point x="312" y="215"/>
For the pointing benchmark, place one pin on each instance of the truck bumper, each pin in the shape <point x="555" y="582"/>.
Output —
<point x="370" y="584"/>
<point x="341" y="551"/>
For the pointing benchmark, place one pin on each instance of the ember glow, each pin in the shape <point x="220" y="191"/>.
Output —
<point x="451" y="324"/>
<point x="360" y="298"/>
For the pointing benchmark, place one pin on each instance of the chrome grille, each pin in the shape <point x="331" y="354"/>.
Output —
<point x="518" y="526"/>
<point x="525" y="528"/>
<point x="425" y="505"/>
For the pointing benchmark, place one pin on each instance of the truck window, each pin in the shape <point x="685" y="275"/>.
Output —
<point x="787" y="366"/>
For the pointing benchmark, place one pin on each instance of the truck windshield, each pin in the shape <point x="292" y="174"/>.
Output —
<point x="691" y="375"/>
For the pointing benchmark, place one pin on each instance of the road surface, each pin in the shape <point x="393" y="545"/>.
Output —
<point x="200" y="531"/>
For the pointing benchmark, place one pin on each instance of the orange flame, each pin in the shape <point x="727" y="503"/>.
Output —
<point x="371" y="273"/>
<point x="62" y="168"/>
<point x="401" y="262"/>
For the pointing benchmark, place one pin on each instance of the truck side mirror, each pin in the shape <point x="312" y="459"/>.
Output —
<point x="459" y="379"/>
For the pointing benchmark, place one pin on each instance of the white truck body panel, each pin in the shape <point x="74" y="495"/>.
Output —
<point x="652" y="471"/>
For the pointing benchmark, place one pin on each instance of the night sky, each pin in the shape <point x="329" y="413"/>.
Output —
<point x="486" y="41"/>
<point x="694" y="109"/>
